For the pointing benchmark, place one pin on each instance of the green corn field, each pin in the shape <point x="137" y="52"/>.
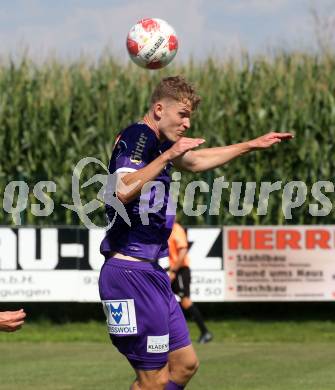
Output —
<point x="54" y="114"/>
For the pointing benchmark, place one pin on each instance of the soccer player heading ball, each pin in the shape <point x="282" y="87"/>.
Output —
<point x="144" y="319"/>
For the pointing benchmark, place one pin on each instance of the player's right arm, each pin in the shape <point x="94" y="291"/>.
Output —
<point x="181" y="244"/>
<point x="130" y="184"/>
<point x="182" y="252"/>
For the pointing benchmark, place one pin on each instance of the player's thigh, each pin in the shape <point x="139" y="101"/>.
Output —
<point x="153" y="379"/>
<point x="183" y="362"/>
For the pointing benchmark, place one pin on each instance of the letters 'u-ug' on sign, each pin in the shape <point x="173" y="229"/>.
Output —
<point x="236" y="263"/>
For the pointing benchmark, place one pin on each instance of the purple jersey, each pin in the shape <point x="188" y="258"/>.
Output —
<point x="137" y="146"/>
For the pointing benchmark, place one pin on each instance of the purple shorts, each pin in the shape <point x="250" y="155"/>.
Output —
<point x="144" y="319"/>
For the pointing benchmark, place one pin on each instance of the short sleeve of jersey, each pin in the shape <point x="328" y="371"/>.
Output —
<point x="135" y="147"/>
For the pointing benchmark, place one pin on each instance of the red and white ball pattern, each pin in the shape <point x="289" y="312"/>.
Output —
<point x="152" y="43"/>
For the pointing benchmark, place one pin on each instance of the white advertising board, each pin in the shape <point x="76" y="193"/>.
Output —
<point x="62" y="264"/>
<point x="279" y="263"/>
<point x="238" y="263"/>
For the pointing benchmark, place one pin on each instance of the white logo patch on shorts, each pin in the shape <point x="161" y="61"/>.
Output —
<point x="121" y="316"/>
<point x="158" y="344"/>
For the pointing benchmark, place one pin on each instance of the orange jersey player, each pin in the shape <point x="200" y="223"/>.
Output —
<point x="180" y="275"/>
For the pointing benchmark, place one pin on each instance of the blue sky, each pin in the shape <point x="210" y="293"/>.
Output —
<point x="68" y="28"/>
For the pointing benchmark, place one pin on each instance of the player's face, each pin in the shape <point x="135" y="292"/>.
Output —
<point x="175" y="119"/>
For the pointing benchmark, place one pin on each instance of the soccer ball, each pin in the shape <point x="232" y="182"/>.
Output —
<point x="152" y="43"/>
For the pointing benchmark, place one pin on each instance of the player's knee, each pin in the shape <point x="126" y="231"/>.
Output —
<point x="135" y="385"/>
<point x="192" y="366"/>
<point x="163" y="380"/>
<point x="155" y="382"/>
<point x="188" y="369"/>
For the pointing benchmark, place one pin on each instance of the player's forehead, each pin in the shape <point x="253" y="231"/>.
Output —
<point x="180" y="105"/>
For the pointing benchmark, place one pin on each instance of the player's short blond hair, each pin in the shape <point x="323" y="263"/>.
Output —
<point x="177" y="88"/>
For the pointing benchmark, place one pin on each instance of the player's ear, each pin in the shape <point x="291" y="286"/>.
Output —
<point x="158" y="110"/>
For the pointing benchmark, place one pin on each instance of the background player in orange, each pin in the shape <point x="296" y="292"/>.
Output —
<point x="180" y="275"/>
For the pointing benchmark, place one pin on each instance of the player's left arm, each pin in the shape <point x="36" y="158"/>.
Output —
<point x="209" y="158"/>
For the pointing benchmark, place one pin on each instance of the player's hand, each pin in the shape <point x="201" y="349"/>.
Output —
<point x="11" y="320"/>
<point x="183" y="145"/>
<point x="172" y="276"/>
<point x="267" y="140"/>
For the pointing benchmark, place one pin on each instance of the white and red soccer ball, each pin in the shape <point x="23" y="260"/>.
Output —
<point x="152" y="43"/>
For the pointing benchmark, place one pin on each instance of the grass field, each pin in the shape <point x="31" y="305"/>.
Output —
<point x="245" y="355"/>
